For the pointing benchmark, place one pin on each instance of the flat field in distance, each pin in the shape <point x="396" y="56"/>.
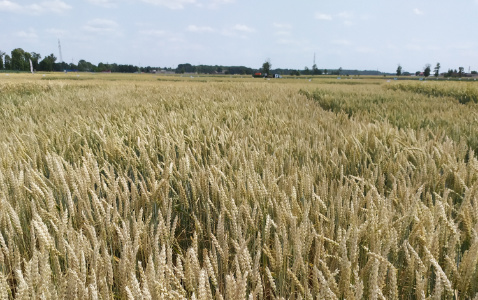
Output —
<point x="165" y="187"/>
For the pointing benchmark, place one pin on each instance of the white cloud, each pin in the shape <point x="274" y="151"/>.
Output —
<point x="283" y="33"/>
<point x="195" y="28"/>
<point x="365" y="50"/>
<point x="159" y="36"/>
<point x="463" y="46"/>
<point x="55" y="6"/>
<point x="101" y="26"/>
<point x="302" y="44"/>
<point x="417" y="11"/>
<point x="56" y="32"/>
<point x="153" y="33"/>
<point x="10" y="6"/>
<point x="216" y="3"/>
<point x="365" y="17"/>
<point x="176" y="39"/>
<point x="323" y="17"/>
<point x="391" y="46"/>
<point x="104" y="3"/>
<point x="284" y="25"/>
<point x="238" y="30"/>
<point x="27" y="34"/>
<point x="243" y="28"/>
<point x="345" y="15"/>
<point x="222" y="1"/>
<point x="171" y="4"/>
<point x="341" y="42"/>
<point x="283" y="29"/>
<point x="287" y="42"/>
<point x="34" y="8"/>
<point x="413" y="47"/>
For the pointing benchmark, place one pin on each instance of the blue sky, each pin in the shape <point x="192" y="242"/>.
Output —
<point x="351" y="34"/>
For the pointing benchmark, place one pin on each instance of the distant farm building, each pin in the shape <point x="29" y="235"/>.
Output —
<point x="265" y="75"/>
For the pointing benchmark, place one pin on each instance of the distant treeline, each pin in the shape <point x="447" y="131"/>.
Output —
<point x="241" y="70"/>
<point x="19" y="60"/>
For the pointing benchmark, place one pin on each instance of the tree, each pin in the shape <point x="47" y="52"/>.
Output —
<point x="315" y="70"/>
<point x="461" y="71"/>
<point x="84" y="66"/>
<point x="437" y="69"/>
<point x="61" y="66"/>
<point x="339" y="71"/>
<point x="266" y="67"/>
<point x="8" y="62"/>
<point x="35" y="60"/>
<point x="306" y="71"/>
<point x="1" y="59"/>
<point x="72" y="66"/>
<point x="185" y="68"/>
<point x="449" y="73"/>
<point x="26" y="61"/>
<point x="399" y="70"/>
<point x="18" y="59"/>
<point x="47" y="63"/>
<point x="426" y="71"/>
<point x="101" y="67"/>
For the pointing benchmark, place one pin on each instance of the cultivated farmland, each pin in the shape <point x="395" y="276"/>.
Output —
<point x="150" y="187"/>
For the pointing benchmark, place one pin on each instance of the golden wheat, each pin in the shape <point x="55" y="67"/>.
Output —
<point x="132" y="187"/>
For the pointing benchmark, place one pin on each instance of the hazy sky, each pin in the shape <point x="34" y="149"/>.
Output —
<point x="351" y="34"/>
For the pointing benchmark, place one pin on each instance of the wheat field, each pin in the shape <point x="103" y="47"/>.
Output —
<point x="150" y="187"/>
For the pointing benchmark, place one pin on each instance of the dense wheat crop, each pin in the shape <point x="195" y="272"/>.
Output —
<point x="139" y="188"/>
